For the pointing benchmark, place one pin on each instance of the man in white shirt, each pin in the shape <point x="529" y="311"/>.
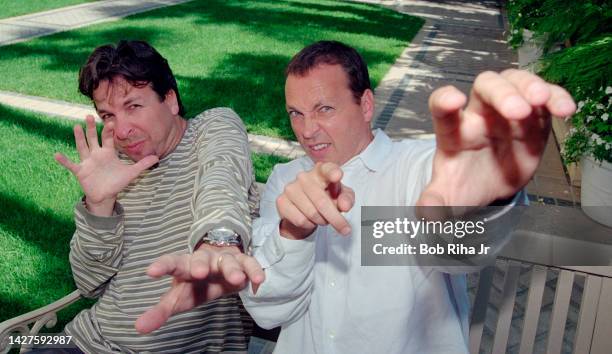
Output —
<point x="308" y="237"/>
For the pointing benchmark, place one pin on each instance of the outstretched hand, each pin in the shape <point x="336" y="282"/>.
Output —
<point x="101" y="173"/>
<point x="490" y="149"/>
<point x="207" y="274"/>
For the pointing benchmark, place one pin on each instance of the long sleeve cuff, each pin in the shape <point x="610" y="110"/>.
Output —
<point x="96" y="237"/>
<point x="293" y="253"/>
<point x="100" y="222"/>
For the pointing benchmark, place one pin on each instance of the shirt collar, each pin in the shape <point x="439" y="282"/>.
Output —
<point x="374" y="155"/>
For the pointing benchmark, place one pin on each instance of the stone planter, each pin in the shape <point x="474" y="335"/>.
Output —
<point x="596" y="191"/>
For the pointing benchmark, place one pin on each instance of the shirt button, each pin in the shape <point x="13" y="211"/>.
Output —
<point x="332" y="335"/>
<point x="332" y="283"/>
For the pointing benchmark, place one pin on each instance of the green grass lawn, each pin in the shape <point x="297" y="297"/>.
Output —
<point x="12" y="8"/>
<point x="223" y="53"/>
<point x="36" y="197"/>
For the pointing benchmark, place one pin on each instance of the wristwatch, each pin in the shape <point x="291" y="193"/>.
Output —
<point x="222" y="236"/>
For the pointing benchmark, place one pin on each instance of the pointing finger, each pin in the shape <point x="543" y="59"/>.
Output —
<point x="329" y="172"/>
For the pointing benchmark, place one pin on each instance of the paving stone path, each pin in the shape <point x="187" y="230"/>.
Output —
<point x="23" y="28"/>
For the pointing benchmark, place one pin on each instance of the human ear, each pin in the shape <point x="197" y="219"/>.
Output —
<point x="172" y="102"/>
<point x="367" y="105"/>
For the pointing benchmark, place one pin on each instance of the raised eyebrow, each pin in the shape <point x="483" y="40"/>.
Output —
<point x="314" y="108"/>
<point x="290" y="108"/>
<point x="102" y="112"/>
<point x="131" y="100"/>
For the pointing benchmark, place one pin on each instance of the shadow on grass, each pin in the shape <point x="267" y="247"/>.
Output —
<point x="51" y="235"/>
<point x="242" y="82"/>
<point x="36" y="226"/>
<point x="268" y="17"/>
<point x="60" y="131"/>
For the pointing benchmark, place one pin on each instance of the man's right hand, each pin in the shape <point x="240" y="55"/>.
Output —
<point x="315" y="198"/>
<point x="207" y="274"/>
<point x="101" y="173"/>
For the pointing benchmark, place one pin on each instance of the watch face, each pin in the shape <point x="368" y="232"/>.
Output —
<point x="221" y="233"/>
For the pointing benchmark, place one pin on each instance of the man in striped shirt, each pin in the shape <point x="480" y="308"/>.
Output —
<point x="156" y="184"/>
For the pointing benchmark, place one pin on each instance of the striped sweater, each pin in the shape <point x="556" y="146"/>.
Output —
<point x="206" y="182"/>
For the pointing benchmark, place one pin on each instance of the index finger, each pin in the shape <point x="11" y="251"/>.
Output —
<point x="329" y="172"/>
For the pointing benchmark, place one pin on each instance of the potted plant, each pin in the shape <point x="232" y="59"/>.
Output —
<point x="590" y="142"/>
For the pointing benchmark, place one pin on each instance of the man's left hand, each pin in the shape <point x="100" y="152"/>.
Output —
<point x="207" y="274"/>
<point x="490" y="149"/>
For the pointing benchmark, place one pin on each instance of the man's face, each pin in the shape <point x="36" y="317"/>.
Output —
<point x="327" y="121"/>
<point x="143" y="125"/>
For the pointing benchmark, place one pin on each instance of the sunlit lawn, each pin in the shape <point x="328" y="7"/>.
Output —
<point x="223" y="53"/>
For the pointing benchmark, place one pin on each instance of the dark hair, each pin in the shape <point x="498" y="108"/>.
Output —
<point x="136" y="61"/>
<point x="333" y="53"/>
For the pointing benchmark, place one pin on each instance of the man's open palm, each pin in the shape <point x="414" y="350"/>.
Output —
<point x="101" y="173"/>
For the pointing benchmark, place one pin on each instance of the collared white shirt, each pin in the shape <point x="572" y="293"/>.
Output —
<point x="316" y="288"/>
